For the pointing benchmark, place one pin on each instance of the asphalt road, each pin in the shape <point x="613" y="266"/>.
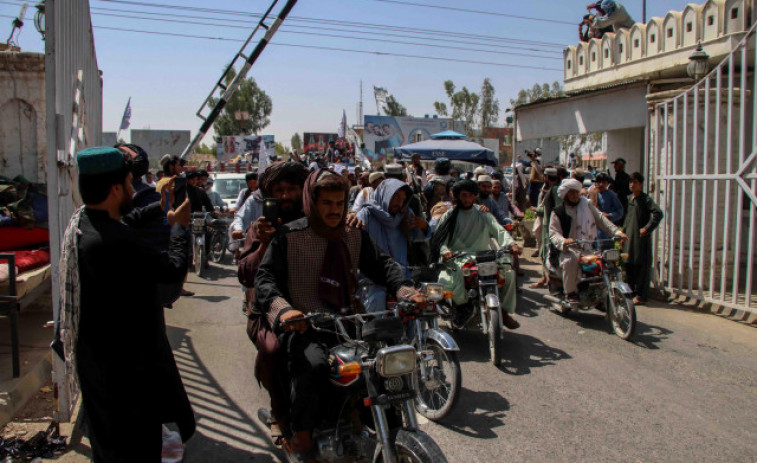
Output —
<point x="565" y="391"/>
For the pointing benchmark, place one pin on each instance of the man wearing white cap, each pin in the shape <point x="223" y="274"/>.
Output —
<point x="575" y="219"/>
<point x="485" y="199"/>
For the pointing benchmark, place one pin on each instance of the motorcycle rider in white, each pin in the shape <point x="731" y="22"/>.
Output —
<point x="576" y="219"/>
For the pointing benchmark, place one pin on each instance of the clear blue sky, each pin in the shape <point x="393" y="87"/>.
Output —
<point x="167" y="77"/>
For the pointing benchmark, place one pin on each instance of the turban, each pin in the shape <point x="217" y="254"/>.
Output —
<point x="292" y="172"/>
<point x="567" y="185"/>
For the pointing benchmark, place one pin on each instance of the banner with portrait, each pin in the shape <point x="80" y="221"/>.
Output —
<point x="248" y="146"/>
<point x="381" y="134"/>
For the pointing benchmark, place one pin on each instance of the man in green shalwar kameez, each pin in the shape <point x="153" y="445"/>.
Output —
<point x="465" y="228"/>
<point x="642" y="218"/>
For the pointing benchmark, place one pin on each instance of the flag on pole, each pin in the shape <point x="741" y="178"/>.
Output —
<point x="343" y="125"/>
<point x="126" y="120"/>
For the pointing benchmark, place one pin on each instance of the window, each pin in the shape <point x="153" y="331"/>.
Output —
<point x="636" y="43"/>
<point x="593" y="57"/>
<point x="581" y="61"/>
<point x="670" y="32"/>
<point x="607" y="53"/>
<point x="620" y="48"/>
<point x="710" y="20"/>
<point x="734" y="13"/>
<point x="689" y="27"/>
<point x="418" y="137"/>
<point x="652" y="38"/>
<point x="569" y="64"/>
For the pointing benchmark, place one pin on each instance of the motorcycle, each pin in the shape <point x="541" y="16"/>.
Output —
<point x="199" y="250"/>
<point x="600" y="286"/>
<point x="438" y="376"/>
<point x="482" y="277"/>
<point x="371" y="373"/>
<point x="218" y="238"/>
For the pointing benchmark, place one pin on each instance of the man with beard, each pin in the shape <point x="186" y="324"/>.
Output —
<point x="391" y="223"/>
<point x="129" y="381"/>
<point x="311" y="266"/>
<point x="284" y="182"/>
<point x="621" y="185"/>
<point x="468" y="229"/>
<point x="485" y="199"/>
<point x="575" y="219"/>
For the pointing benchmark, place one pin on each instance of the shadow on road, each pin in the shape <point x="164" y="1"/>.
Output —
<point x="648" y="336"/>
<point x="477" y="414"/>
<point x="530" y="302"/>
<point x="225" y="433"/>
<point x="520" y="352"/>
<point x="211" y="298"/>
<point x="216" y="272"/>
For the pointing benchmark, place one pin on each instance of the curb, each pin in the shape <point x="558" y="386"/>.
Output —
<point x="23" y="389"/>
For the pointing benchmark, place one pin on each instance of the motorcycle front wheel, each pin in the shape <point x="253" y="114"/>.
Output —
<point x="494" y="335"/>
<point x="414" y="447"/>
<point x="218" y="247"/>
<point x="622" y="316"/>
<point x="438" y="392"/>
<point x="199" y="259"/>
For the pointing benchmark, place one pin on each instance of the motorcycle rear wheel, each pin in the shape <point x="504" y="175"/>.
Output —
<point x="622" y="316"/>
<point x="218" y="247"/>
<point x="437" y="396"/>
<point x="414" y="447"/>
<point x="494" y="335"/>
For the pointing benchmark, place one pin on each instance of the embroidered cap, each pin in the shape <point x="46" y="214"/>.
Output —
<point x="99" y="160"/>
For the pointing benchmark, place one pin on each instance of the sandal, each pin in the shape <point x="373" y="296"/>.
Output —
<point x="538" y="284"/>
<point x="278" y="436"/>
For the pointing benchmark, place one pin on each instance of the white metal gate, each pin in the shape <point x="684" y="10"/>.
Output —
<point x="703" y="161"/>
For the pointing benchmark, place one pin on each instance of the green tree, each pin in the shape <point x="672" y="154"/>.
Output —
<point x="205" y="149"/>
<point x="248" y="98"/>
<point x="489" y="110"/>
<point x="296" y="142"/>
<point x="464" y="104"/>
<point x="536" y="93"/>
<point x="280" y="149"/>
<point x="394" y="108"/>
<point x="440" y="108"/>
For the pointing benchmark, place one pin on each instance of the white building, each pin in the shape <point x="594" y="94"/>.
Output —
<point x="693" y="140"/>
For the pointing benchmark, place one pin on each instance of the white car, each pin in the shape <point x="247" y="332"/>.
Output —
<point x="228" y="185"/>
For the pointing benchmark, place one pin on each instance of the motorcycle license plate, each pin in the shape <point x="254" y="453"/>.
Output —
<point x="394" y="397"/>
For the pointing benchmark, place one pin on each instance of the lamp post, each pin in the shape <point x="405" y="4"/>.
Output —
<point x="698" y="63"/>
<point x="39" y="18"/>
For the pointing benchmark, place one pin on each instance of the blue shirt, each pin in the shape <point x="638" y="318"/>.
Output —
<point x="608" y="202"/>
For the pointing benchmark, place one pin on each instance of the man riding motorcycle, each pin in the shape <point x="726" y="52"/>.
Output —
<point x="311" y="266"/>
<point x="575" y="219"/>
<point x="466" y="228"/>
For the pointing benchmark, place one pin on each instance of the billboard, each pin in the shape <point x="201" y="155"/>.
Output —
<point x="381" y="134"/>
<point x="317" y="142"/>
<point x="160" y="142"/>
<point x="229" y="147"/>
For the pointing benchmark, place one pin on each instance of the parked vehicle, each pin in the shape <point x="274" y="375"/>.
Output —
<point x="374" y="417"/>
<point x="199" y="250"/>
<point x="600" y="286"/>
<point x="482" y="276"/>
<point x="228" y="185"/>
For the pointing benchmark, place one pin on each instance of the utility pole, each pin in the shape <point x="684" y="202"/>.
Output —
<point x="360" y="115"/>
<point x="644" y="11"/>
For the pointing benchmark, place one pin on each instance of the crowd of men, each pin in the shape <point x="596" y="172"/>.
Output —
<point x="342" y="241"/>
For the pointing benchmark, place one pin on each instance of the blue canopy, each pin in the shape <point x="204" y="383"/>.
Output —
<point x="454" y="149"/>
<point x="448" y="135"/>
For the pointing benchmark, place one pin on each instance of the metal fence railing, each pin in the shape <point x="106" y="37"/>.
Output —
<point x="703" y="154"/>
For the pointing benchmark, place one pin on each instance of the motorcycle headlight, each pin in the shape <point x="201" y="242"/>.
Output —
<point x="395" y="361"/>
<point x="487" y="269"/>
<point x="434" y="292"/>
<point x="198" y="224"/>
<point x="612" y="255"/>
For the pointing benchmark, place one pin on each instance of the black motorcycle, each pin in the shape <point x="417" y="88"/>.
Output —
<point x="373" y="416"/>
<point x="218" y="238"/>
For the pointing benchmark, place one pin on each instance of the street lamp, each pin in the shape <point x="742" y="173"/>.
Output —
<point x="39" y="18"/>
<point x="698" y="63"/>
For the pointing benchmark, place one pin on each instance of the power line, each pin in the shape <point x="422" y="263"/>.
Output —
<point x="339" y="23"/>
<point x="383" y="40"/>
<point x="341" y="29"/>
<point x="367" y="52"/>
<point x="466" y="10"/>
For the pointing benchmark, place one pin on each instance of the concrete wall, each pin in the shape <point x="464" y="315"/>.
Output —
<point x="627" y="144"/>
<point x="22" y="115"/>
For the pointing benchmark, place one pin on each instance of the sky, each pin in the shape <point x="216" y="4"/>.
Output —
<point x="167" y="74"/>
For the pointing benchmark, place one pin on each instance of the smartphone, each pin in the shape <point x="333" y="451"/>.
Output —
<point x="271" y="211"/>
